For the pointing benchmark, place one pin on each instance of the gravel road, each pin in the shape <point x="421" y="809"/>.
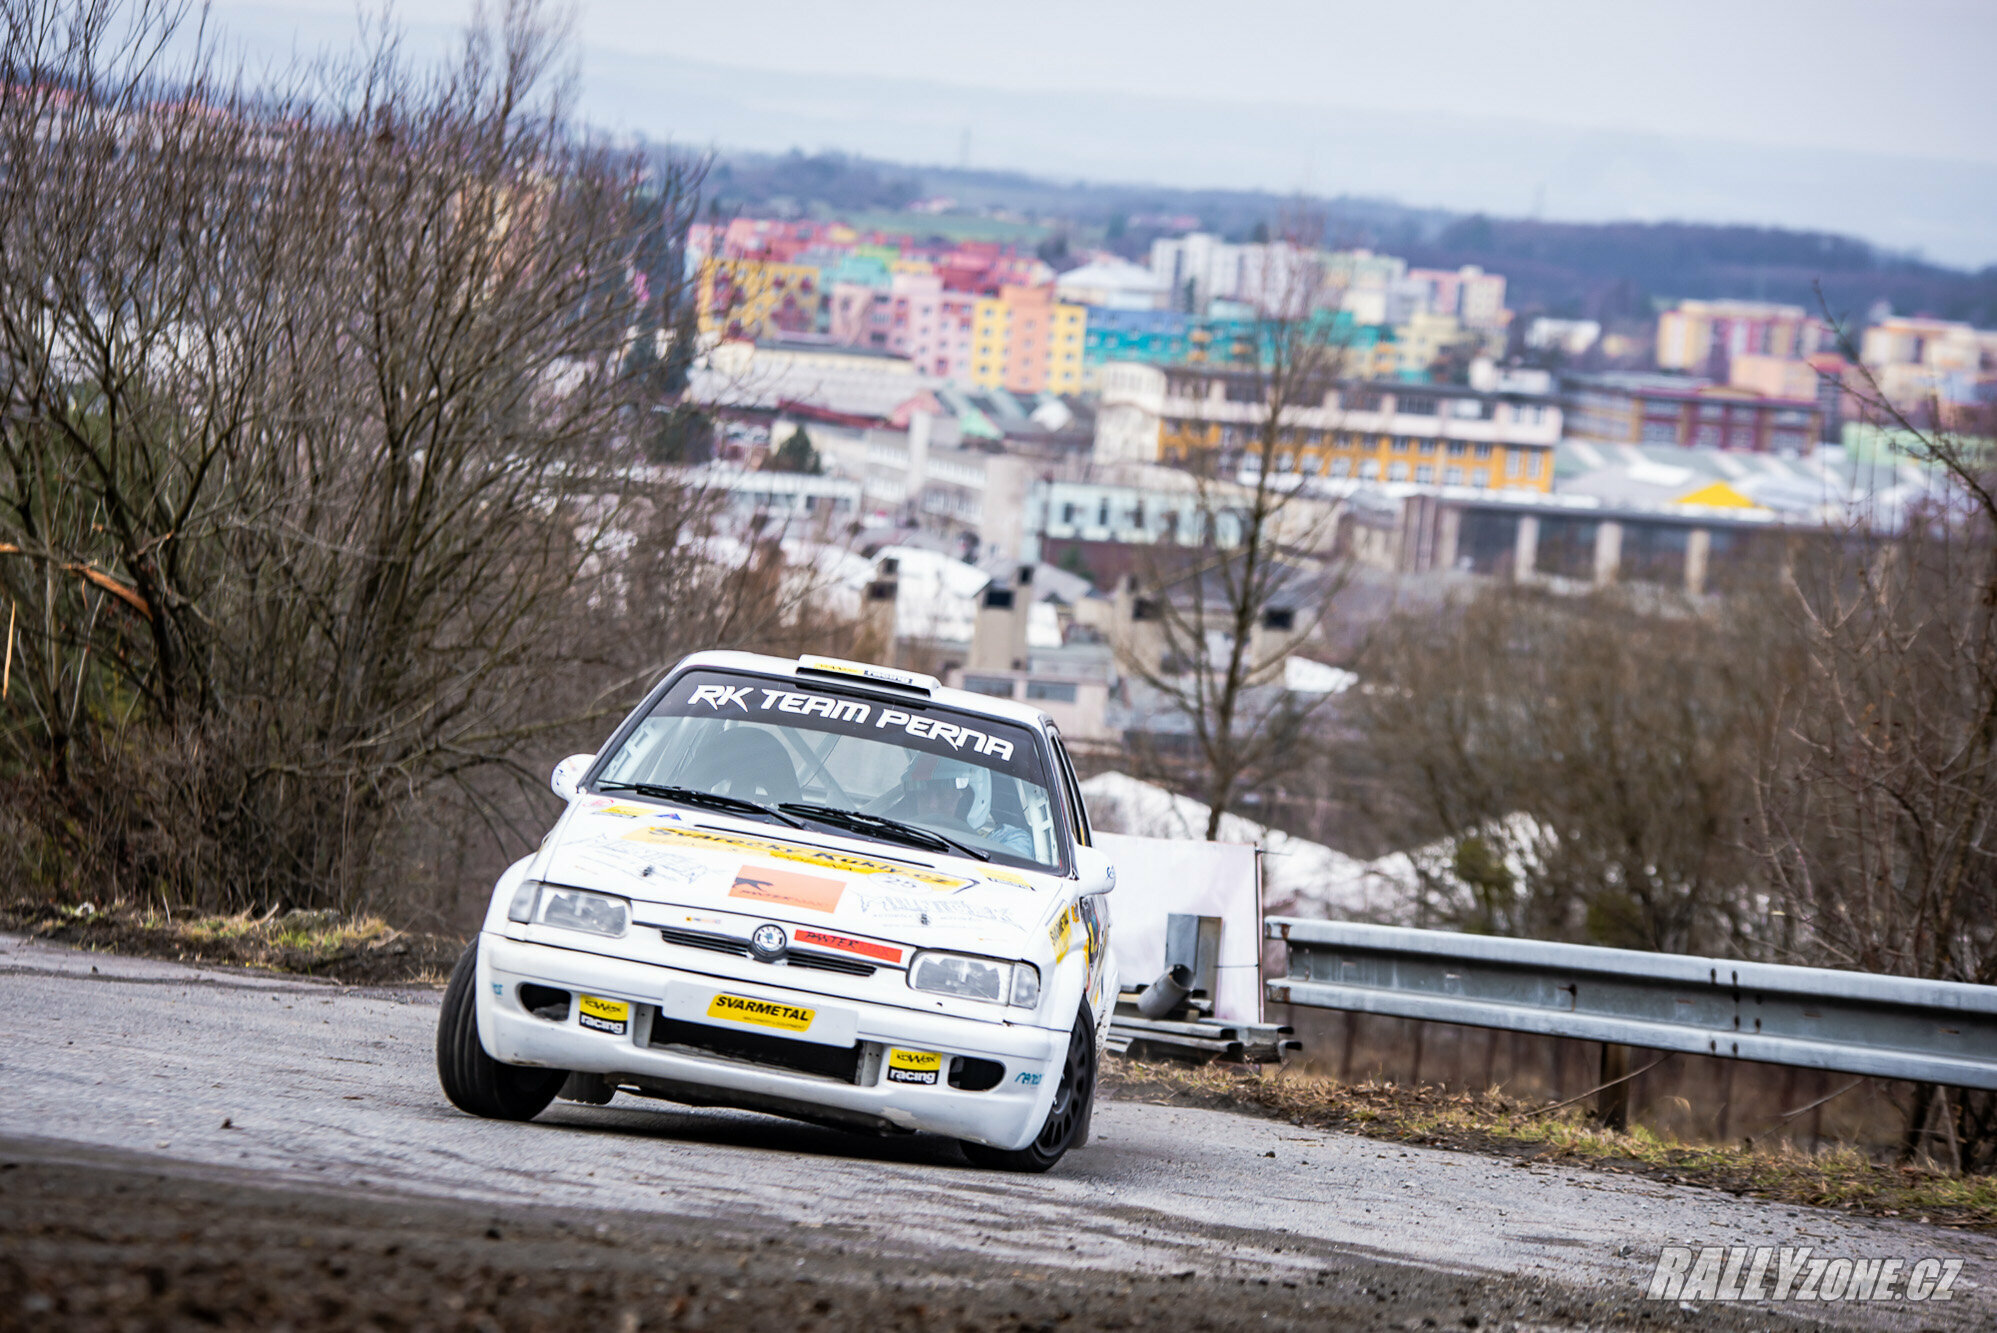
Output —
<point x="199" y="1079"/>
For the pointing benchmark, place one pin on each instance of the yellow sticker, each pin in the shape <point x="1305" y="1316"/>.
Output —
<point x="1057" y="935"/>
<point x="762" y="1013"/>
<point x="914" y="1066"/>
<point x="783" y="851"/>
<point x="612" y="1016"/>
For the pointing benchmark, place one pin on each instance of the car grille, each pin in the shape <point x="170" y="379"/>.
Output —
<point x="826" y="962"/>
<point x="823" y="962"/>
<point x="801" y="1057"/>
<point x="700" y="939"/>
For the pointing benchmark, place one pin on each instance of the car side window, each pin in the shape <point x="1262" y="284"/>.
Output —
<point x="1078" y="814"/>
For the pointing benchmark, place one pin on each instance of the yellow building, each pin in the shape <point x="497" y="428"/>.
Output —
<point x="1024" y="341"/>
<point x="757" y="298"/>
<point x="1392" y="432"/>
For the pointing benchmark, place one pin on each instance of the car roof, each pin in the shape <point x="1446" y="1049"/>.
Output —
<point x="790" y="668"/>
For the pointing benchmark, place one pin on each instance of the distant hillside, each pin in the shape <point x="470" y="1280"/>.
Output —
<point x="1616" y="271"/>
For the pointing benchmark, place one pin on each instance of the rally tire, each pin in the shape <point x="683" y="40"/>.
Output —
<point x="473" y="1080"/>
<point x="1068" y="1118"/>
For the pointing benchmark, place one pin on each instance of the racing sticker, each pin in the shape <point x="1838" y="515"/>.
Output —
<point x="600" y="1015"/>
<point x="914" y="1067"/>
<point x="763" y="1013"/>
<point x="921" y="726"/>
<point x="887" y="953"/>
<point x="1057" y="934"/>
<point x="784" y="851"/>
<point x="787" y="888"/>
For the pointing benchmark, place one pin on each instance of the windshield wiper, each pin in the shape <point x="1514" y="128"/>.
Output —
<point x="711" y="800"/>
<point x="881" y="826"/>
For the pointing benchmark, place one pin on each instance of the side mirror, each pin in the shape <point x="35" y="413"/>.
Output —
<point x="1093" y="868"/>
<point x="568" y="775"/>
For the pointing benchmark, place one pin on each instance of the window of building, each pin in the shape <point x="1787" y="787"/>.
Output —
<point x="999" y="687"/>
<point x="1397" y="472"/>
<point x="1458" y="448"/>
<point x="1284" y="462"/>
<point x="1529" y="465"/>
<point x="1401" y="444"/>
<point x="1051" y="691"/>
<point x="1422" y="406"/>
<point x="1341" y="467"/>
<point x="1425" y="474"/>
<point x="1479" y="477"/>
<point x="1369" y="469"/>
<point x="1452" y="476"/>
<point x="1483" y="451"/>
<point x="1514" y="464"/>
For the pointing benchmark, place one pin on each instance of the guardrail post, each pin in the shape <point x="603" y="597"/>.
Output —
<point x="1612" y="1102"/>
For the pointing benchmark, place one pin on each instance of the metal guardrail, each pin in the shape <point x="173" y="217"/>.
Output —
<point x="1816" y="1018"/>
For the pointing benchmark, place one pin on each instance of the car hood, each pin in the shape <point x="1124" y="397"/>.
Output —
<point x="687" y="858"/>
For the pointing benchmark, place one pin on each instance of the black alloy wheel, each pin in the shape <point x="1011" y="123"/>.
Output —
<point x="473" y="1080"/>
<point x="1066" y="1119"/>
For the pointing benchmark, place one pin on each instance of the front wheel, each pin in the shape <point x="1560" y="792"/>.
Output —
<point x="1067" y="1119"/>
<point x="473" y="1080"/>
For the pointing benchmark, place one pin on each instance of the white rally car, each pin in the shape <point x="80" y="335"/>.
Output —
<point x="816" y="888"/>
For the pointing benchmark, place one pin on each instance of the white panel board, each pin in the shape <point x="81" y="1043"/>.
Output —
<point x="1157" y="877"/>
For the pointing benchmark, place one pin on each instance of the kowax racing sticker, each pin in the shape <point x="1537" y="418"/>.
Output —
<point x="914" y="1066"/>
<point x="762" y="1013"/>
<point x="612" y="1016"/>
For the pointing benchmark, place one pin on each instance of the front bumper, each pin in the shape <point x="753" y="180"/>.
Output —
<point x="1006" y="1115"/>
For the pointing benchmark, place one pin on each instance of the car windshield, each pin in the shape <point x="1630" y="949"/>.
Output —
<point x="974" y="780"/>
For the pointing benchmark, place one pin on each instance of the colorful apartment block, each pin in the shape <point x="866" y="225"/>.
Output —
<point x="758" y="298"/>
<point x="1025" y="341"/>
<point x="1698" y="336"/>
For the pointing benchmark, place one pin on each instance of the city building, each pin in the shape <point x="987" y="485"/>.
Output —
<point x="1025" y="341"/>
<point x="1110" y="283"/>
<point x="1375" y="431"/>
<point x="912" y="315"/>
<point x="1921" y="364"/>
<point x="1635" y="407"/>
<point x="756" y="298"/>
<point x="1699" y="337"/>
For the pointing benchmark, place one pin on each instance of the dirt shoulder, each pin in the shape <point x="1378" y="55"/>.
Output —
<point x="357" y="951"/>
<point x="1502" y="1127"/>
<point x="92" y="1239"/>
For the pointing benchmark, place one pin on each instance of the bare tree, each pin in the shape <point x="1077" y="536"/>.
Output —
<point x="1875" y="810"/>
<point x="1221" y="609"/>
<point x="318" y="423"/>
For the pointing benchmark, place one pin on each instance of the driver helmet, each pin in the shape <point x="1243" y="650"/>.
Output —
<point x="945" y="781"/>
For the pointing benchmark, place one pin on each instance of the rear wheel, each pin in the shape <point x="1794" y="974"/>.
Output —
<point x="473" y="1080"/>
<point x="1067" y="1119"/>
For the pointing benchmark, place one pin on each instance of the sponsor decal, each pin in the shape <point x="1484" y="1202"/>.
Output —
<point x="920" y="726"/>
<point x="914" y="1067"/>
<point x="762" y="1013"/>
<point x="600" y="1015"/>
<point x="921" y="911"/>
<point x="887" y="953"/>
<point x="787" y="887"/>
<point x="1007" y="877"/>
<point x="1030" y="1080"/>
<point x="1728" y="1273"/>
<point x="784" y="851"/>
<point x="1057" y="934"/>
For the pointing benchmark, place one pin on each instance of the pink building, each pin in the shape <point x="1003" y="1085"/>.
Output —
<point x="915" y="316"/>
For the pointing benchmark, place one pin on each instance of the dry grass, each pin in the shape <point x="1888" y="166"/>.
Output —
<point x="1492" y="1123"/>
<point x="358" y="950"/>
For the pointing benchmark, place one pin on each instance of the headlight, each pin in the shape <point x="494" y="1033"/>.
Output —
<point x="976" y="979"/>
<point x="578" y="909"/>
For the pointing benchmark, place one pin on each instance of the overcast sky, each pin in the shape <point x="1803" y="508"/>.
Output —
<point x="1898" y="79"/>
